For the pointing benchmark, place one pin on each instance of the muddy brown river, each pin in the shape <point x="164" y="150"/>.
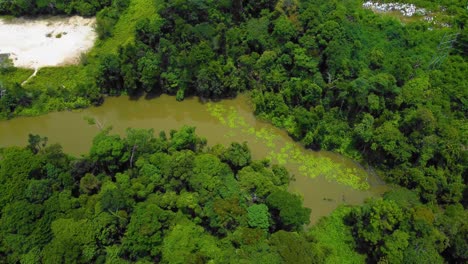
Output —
<point x="323" y="179"/>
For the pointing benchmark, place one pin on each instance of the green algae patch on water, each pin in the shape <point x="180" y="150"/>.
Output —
<point x="289" y="153"/>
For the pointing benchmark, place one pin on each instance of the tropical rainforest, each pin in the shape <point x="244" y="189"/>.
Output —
<point x="387" y="93"/>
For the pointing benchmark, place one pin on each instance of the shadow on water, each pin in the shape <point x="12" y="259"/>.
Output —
<point x="152" y="95"/>
<point x="136" y="96"/>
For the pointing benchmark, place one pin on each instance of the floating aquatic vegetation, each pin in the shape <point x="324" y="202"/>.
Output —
<point x="290" y="153"/>
<point x="217" y="111"/>
<point x="230" y="134"/>
<point x="267" y="137"/>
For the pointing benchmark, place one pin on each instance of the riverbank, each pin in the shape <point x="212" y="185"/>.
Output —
<point x="66" y="86"/>
<point x="318" y="175"/>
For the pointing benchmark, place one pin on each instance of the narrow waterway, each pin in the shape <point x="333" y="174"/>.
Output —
<point x="324" y="179"/>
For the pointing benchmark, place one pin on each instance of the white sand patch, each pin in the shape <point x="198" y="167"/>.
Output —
<point x="35" y="43"/>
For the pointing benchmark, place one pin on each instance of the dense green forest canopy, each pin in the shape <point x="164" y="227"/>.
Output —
<point x="334" y="75"/>
<point x="166" y="198"/>
<point x="55" y="7"/>
<point x="172" y="199"/>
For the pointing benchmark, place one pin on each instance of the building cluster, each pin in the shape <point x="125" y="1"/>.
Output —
<point x="405" y="9"/>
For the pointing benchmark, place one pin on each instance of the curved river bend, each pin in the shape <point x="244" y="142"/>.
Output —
<point x="324" y="179"/>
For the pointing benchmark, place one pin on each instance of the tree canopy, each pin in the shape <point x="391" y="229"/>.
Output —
<point x="177" y="202"/>
<point x="379" y="89"/>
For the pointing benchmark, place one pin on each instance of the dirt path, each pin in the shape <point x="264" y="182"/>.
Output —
<point x="30" y="77"/>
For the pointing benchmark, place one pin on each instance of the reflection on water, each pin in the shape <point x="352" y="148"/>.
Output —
<point x="324" y="179"/>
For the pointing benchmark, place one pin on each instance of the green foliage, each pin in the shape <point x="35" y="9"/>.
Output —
<point x="333" y="241"/>
<point x="237" y="155"/>
<point x="37" y="7"/>
<point x="105" y="21"/>
<point x="287" y="211"/>
<point x="186" y="242"/>
<point x="258" y="216"/>
<point x="144" y="231"/>
<point x="14" y="98"/>
<point x="36" y="143"/>
<point x="113" y="200"/>
<point x="259" y="181"/>
<point x="185" y="138"/>
<point x="377" y="219"/>
<point x="38" y="191"/>
<point x="89" y="184"/>
<point x="292" y="247"/>
<point x="453" y="224"/>
<point x="73" y="242"/>
<point x="109" y="151"/>
<point x="176" y="203"/>
<point x="109" y="77"/>
<point x="14" y="75"/>
<point x="334" y="75"/>
<point x="402" y="231"/>
<point x="18" y="165"/>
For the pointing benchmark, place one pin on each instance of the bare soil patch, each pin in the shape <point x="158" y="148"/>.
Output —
<point x="36" y="43"/>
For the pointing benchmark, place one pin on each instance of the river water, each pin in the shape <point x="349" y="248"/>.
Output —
<point x="324" y="179"/>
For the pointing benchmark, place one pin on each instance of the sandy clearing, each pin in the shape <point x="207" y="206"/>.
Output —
<point x="35" y="43"/>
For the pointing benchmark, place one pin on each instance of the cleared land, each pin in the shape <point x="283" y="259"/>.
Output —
<point x="46" y="42"/>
